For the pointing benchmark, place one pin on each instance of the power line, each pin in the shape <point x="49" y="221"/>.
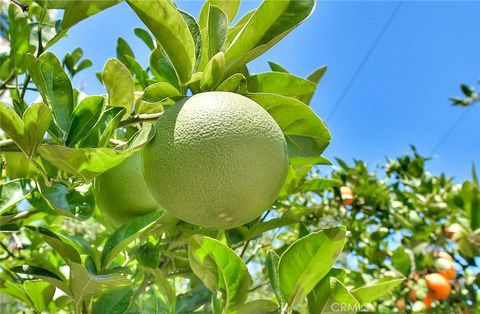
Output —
<point x="365" y="59"/>
<point x="450" y="130"/>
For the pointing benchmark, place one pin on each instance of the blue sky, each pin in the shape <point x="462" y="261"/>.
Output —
<point x="400" y="97"/>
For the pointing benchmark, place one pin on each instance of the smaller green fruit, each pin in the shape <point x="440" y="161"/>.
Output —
<point x="121" y="192"/>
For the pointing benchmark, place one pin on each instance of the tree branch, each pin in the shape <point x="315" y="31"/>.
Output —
<point x="141" y="118"/>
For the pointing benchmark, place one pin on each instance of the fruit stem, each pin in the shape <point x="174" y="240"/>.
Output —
<point x="140" y="118"/>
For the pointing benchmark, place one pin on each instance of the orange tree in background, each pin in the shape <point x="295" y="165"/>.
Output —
<point x="343" y="243"/>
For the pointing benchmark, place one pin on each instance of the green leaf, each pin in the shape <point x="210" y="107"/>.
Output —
<point x="68" y="252"/>
<point x="165" y="288"/>
<point x="282" y="84"/>
<point x="85" y="116"/>
<point x="101" y="133"/>
<point x="306" y="134"/>
<point x="277" y="67"/>
<point x="233" y="32"/>
<point x="196" y="35"/>
<point x="272" y="21"/>
<point x="27" y="134"/>
<point x="230" y="7"/>
<point x="16" y="291"/>
<point x="330" y="295"/>
<point x="401" y="261"/>
<point x="124" y="235"/>
<point x="258" y="307"/>
<point x="307" y="261"/>
<point x="170" y="29"/>
<point x="119" y="84"/>
<point x="376" y="290"/>
<point x="232" y="83"/>
<point x="40" y="292"/>
<point x="84" y="284"/>
<point x="317" y="75"/>
<point x="145" y="37"/>
<point x="114" y="302"/>
<point x="54" y="85"/>
<point x="214" y="30"/>
<point x="43" y="274"/>
<point x="124" y="50"/>
<point x="19" y="36"/>
<point x="271" y="263"/>
<point x="319" y="184"/>
<point x="191" y="300"/>
<point x="162" y="69"/>
<point x="220" y="269"/>
<point x="274" y="223"/>
<point x="86" y="163"/>
<point x="77" y="10"/>
<point x="213" y="72"/>
<point x="159" y="91"/>
<point x="75" y="203"/>
<point x="13" y="192"/>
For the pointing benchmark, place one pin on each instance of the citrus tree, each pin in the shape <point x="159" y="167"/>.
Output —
<point x="191" y="185"/>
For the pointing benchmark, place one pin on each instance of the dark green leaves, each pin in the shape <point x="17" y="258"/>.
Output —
<point x="68" y="252"/>
<point x="85" y="116"/>
<point x="27" y="134"/>
<point x="122" y="237"/>
<point x="317" y="75"/>
<point x="307" y="261"/>
<point x="170" y="29"/>
<point x="113" y="302"/>
<point x="54" y="86"/>
<point x="119" y="84"/>
<point x="272" y="21"/>
<point x="220" y="269"/>
<point x="306" y="134"/>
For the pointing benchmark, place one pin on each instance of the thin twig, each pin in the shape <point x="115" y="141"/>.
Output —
<point x="141" y="118"/>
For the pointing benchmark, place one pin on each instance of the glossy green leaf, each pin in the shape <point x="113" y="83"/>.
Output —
<point x="27" y="134"/>
<point x="124" y="235"/>
<point x="113" y="302"/>
<point x="43" y="274"/>
<point x="276" y="67"/>
<point x="84" y="284"/>
<point x="317" y="75"/>
<point x="78" y="10"/>
<point x="145" y="37"/>
<point x="272" y="21"/>
<point x="196" y="35"/>
<point x="213" y="72"/>
<point x="282" y="84"/>
<point x="170" y="29"/>
<point x="306" y="134"/>
<point x="401" y="261"/>
<point x="191" y="300"/>
<point x="271" y="263"/>
<point x="19" y="36"/>
<point x="214" y="30"/>
<point x="319" y="184"/>
<point x="330" y="295"/>
<point x="274" y="223"/>
<point x="375" y="290"/>
<point x="124" y="50"/>
<point x="13" y="192"/>
<point x="76" y="203"/>
<point x="19" y="166"/>
<point x="54" y="86"/>
<point x="86" y="163"/>
<point x="85" y="116"/>
<point x="230" y="7"/>
<point x="232" y="83"/>
<point x="40" y="292"/>
<point x="68" y="252"/>
<point x="119" y="84"/>
<point x="233" y="31"/>
<point x="159" y="91"/>
<point x="16" y="291"/>
<point x="220" y="269"/>
<point x="104" y="128"/>
<point x="307" y="261"/>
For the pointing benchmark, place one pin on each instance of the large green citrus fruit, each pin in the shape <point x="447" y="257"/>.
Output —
<point x="217" y="160"/>
<point x="121" y="192"/>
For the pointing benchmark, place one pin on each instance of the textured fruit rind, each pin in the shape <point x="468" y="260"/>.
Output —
<point x="121" y="192"/>
<point x="217" y="160"/>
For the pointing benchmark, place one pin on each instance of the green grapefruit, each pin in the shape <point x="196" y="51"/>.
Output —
<point x="218" y="160"/>
<point x="121" y="192"/>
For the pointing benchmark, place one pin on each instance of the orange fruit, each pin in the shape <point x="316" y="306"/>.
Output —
<point x="449" y="273"/>
<point x="413" y="296"/>
<point x="452" y="230"/>
<point x="347" y="195"/>
<point x="438" y="285"/>
<point x="400" y="304"/>
<point x="428" y="301"/>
